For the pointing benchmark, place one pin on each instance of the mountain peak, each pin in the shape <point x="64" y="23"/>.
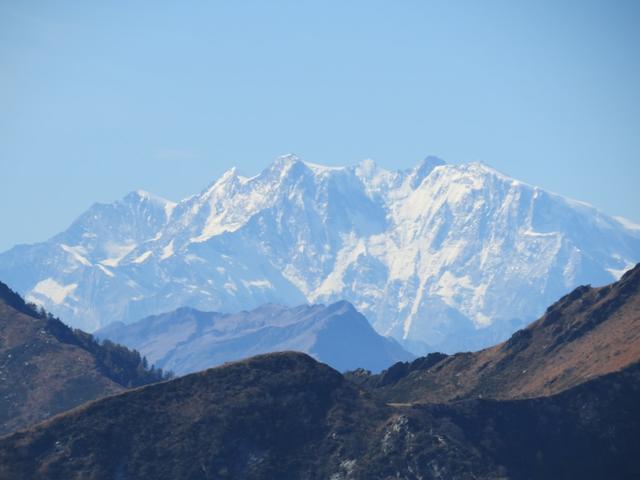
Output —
<point x="285" y="161"/>
<point x="228" y="177"/>
<point x="138" y="197"/>
<point x="336" y="334"/>
<point x="341" y="306"/>
<point x="283" y="165"/>
<point x="430" y="161"/>
<point x="143" y="195"/>
<point x="479" y="166"/>
<point x="367" y="168"/>
<point x="463" y="250"/>
<point x="424" y="168"/>
<point x="232" y="172"/>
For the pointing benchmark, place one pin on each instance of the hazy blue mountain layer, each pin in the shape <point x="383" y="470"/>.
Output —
<point x="188" y="340"/>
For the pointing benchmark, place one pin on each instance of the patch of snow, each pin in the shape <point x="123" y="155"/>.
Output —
<point x="77" y="252"/>
<point x="167" y="251"/>
<point x="53" y="290"/>
<point x="291" y="274"/>
<point x="529" y="232"/>
<point x="169" y="207"/>
<point x="143" y="194"/>
<point x="244" y="180"/>
<point x="576" y="203"/>
<point x="322" y="169"/>
<point x="626" y="223"/>
<point x="449" y="287"/>
<point x="257" y="283"/>
<point x="214" y="228"/>
<point x="142" y="258"/>
<point x="334" y="283"/>
<point x="191" y="258"/>
<point x="616" y="273"/>
<point x="106" y="271"/>
<point x="367" y="168"/>
<point x="482" y="321"/>
<point x="481" y="167"/>
<point x="117" y="252"/>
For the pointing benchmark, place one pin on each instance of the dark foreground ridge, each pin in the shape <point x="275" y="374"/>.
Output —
<point x="287" y="416"/>
<point x="560" y="399"/>
<point x="47" y="368"/>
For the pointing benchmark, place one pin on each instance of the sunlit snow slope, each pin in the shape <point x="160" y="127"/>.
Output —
<point x="439" y="256"/>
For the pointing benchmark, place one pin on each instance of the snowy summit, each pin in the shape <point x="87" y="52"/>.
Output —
<point x="438" y="256"/>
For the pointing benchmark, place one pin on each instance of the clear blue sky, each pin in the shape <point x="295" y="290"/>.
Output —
<point x="100" y="98"/>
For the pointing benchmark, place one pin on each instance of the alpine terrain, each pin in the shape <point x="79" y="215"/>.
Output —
<point x="588" y="333"/>
<point x="441" y="257"/>
<point x="559" y="400"/>
<point x="188" y="340"/>
<point x="47" y="368"/>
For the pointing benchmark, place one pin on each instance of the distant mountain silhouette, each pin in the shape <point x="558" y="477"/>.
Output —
<point x="187" y="340"/>
<point x="47" y="368"/>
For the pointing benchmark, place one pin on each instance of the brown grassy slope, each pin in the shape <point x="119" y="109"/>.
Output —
<point x="286" y="416"/>
<point x="272" y="416"/>
<point x="588" y="333"/>
<point x="46" y="368"/>
<point x="40" y="376"/>
<point x="589" y="431"/>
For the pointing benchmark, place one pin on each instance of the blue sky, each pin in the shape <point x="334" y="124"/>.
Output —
<point x="101" y="98"/>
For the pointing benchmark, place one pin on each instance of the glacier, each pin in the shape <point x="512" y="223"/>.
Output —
<point x="440" y="256"/>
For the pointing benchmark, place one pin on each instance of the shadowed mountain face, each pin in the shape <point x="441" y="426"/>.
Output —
<point x="188" y="340"/>
<point x="47" y="368"/>
<point x="588" y="333"/>
<point x="286" y="416"/>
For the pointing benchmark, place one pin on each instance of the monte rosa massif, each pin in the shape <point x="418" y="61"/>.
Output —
<point x="441" y="257"/>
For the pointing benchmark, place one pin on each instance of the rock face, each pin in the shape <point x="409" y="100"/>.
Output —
<point x="188" y="340"/>
<point x="586" y="334"/>
<point x="47" y="368"/>
<point x="286" y="416"/>
<point x="441" y="257"/>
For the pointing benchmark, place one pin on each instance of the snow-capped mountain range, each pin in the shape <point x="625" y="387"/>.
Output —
<point x="447" y="256"/>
